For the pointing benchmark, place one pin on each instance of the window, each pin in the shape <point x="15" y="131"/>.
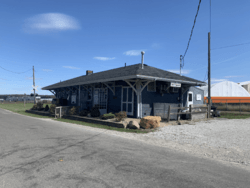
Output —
<point x="151" y="87"/>
<point x="190" y="97"/>
<point x="198" y="97"/>
<point x="73" y="99"/>
<point x="89" y="94"/>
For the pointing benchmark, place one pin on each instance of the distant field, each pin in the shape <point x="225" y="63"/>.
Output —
<point x="18" y="107"/>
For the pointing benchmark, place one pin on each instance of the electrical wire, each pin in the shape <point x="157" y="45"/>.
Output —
<point x="15" y="72"/>
<point x="182" y="58"/>
<point x="231" y="46"/>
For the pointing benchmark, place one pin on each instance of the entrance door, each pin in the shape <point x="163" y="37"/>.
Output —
<point x="128" y="100"/>
<point x="190" y="98"/>
<point x="100" y="99"/>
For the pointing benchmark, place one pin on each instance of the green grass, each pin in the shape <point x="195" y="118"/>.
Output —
<point x="101" y="126"/>
<point x="20" y="109"/>
<point x="234" y="115"/>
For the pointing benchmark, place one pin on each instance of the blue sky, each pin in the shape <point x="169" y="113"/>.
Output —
<point x="63" y="39"/>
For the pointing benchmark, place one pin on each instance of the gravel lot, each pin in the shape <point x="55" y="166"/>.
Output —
<point x="221" y="139"/>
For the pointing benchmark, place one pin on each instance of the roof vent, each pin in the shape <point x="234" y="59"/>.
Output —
<point x="89" y="72"/>
<point x="142" y="53"/>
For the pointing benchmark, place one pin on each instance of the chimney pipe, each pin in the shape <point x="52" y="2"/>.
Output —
<point x="125" y="64"/>
<point x="89" y="72"/>
<point x="142" y="53"/>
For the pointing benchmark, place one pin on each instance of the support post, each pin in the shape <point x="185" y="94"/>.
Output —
<point x="209" y="76"/>
<point x="190" y="111"/>
<point x="169" y="109"/>
<point x="34" y="85"/>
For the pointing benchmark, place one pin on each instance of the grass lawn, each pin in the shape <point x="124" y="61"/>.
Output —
<point x="234" y="115"/>
<point x="19" y="108"/>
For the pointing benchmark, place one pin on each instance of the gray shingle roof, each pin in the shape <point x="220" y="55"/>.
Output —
<point x="132" y="71"/>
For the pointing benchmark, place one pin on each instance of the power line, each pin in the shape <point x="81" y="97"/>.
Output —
<point x="231" y="46"/>
<point x="15" y="72"/>
<point x="191" y="31"/>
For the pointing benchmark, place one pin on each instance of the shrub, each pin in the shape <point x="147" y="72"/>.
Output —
<point x="74" y="110"/>
<point x="41" y="109"/>
<point x="34" y="107"/>
<point x="39" y="105"/>
<point x="108" y="116"/>
<point x="120" y="115"/>
<point x="52" y="109"/>
<point x="84" y="113"/>
<point x="46" y="108"/>
<point x="95" y="111"/>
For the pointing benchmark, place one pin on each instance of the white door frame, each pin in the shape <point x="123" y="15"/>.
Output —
<point x="190" y="102"/>
<point x="132" y="102"/>
<point x="102" y="110"/>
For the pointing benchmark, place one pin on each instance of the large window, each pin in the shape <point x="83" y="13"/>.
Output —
<point x="151" y="87"/>
<point x="89" y="94"/>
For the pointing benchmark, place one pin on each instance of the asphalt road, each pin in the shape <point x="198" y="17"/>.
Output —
<point x="46" y="153"/>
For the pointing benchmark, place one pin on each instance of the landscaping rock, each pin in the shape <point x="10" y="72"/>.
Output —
<point x="133" y="125"/>
<point x="88" y="115"/>
<point x="150" y="122"/>
<point x="125" y="124"/>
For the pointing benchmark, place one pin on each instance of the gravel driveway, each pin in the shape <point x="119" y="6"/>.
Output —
<point x="221" y="139"/>
<point x="224" y="140"/>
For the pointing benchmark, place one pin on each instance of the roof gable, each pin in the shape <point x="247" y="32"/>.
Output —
<point x="115" y="74"/>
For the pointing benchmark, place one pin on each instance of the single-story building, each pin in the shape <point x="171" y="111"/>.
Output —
<point x="136" y="89"/>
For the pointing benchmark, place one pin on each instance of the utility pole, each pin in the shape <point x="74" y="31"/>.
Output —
<point x="180" y="64"/>
<point x="34" y="85"/>
<point x="209" y="77"/>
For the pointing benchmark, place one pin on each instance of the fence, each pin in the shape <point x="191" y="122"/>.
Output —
<point x="241" y="105"/>
<point x="202" y="110"/>
<point x="61" y="110"/>
<point x="29" y="101"/>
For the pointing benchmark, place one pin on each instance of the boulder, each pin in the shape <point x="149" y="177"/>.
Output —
<point x="133" y="125"/>
<point x="125" y="124"/>
<point x="150" y="122"/>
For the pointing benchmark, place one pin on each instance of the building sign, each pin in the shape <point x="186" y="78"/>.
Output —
<point x="73" y="99"/>
<point x="175" y="84"/>
<point x="198" y="97"/>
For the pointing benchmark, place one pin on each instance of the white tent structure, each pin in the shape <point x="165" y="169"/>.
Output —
<point x="226" y="89"/>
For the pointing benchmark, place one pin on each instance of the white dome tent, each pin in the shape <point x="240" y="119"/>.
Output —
<point x="226" y="89"/>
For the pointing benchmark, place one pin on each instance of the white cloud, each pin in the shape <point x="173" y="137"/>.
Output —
<point x="133" y="52"/>
<point x="47" y="70"/>
<point x="156" y="45"/>
<point x="233" y="76"/>
<point x="70" y="67"/>
<point x="51" y="21"/>
<point x="178" y="71"/>
<point x="104" y="58"/>
<point x="218" y="80"/>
